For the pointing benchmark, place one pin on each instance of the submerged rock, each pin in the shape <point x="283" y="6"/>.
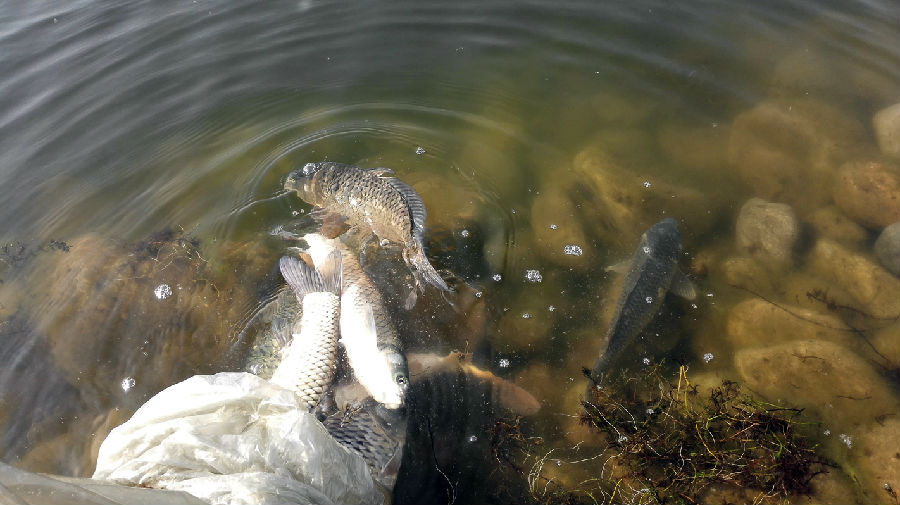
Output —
<point x="621" y="203"/>
<point x="872" y="288"/>
<point x="869" y="193"/>
<point x="876" y="458"/>
<point x="767" y="231"/>
<point x="788" y="150"/>
<point x="557" y="222"/>
<point x="128" y="322"/>
<point x="887" y="248"/>
<point x="830" y="222"/>
<point x="886" y="123"/>
<point x="886" y="342"/>
<point x="828" y="379"/>
<point x="756" y="322"/>
<point x="747" y="273"/>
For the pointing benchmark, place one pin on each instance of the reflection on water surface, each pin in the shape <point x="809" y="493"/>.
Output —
<point x="153" y="141"/>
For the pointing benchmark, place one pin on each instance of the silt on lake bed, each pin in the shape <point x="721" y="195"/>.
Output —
<point x="155" y="147"/>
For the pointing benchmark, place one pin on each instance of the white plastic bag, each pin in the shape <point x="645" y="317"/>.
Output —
<point x="234" y="438"/>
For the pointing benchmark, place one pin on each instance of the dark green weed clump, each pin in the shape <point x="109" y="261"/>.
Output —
<point x="667" y="442"/>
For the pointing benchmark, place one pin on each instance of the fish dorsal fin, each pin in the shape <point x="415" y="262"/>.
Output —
<point x="414" y="204"/>
<point x="330" y="272"/>
<point x="682" y="286"/>
<point x="380" y="171"/>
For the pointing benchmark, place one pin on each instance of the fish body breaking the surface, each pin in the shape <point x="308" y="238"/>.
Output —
<point x="651" y="271"/>
<point x="308" y="364"/>
<point x="368" y="336"/>
<point x="372" y="199"/>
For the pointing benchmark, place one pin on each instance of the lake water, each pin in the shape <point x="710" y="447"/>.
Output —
<point x="143" y="148"/>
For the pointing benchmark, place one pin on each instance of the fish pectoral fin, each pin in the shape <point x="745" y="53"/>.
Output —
<point x="620" y="267"/>
<point x="682" y="286"/>
<point x="333" y="225"/>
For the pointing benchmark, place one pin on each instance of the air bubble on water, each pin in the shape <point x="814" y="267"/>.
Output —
<point x="646" y="361"/>
<point x="473" y="438"/>
<point x="649" y="299"/>
<point x="846" y="440"/>
<point x="708" y="357"/>
<point x="478" y="294"/>
<point x="572" y="250"/>
<point x="526" y="315"/>
<point x="621" y="439"/>
<point x="127" y="383"/>
<point x="646" y="249"/>
<point x="693" y="305"/>
<point x="650" y="412"/>
<point x="533" y="276"/>
<point x="295" y="213"/>
<point x="553" y="227"/>
<point x="646" y="184"/>
<point x="420" y="150"/>
<point x="162" y="291"/>
<point x="497" y="277"/>
<point x="710" y="295"/>
<point x="551" y="308"/>
<point x="464" y="233"/>
<point x="503" y="363"/>
<point x="826" y="432"/>
<point x="558" y="462"/>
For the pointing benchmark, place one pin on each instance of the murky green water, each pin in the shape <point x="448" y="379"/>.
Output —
<point x="543" y="125"/>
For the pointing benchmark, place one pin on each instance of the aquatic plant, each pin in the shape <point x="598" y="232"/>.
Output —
<point x="669" y="442"/>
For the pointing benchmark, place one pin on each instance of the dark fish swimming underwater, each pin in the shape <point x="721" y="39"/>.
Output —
<point x="370" y="198"/>
<point x="651" y="271"/>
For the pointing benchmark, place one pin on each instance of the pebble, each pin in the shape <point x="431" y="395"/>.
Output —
<point x="868" y="193"/>
<point x="767" y="231"/>
<point x="872" y="289"/>
<point x="886" y="124"/>
<point x="887" y="248"/>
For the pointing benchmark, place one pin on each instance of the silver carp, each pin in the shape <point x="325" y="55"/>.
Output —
<point x="308" y="364"/>
<point x="370" y="198"/>
<point x="368" y="336"/>
<point x="650" y="272"/>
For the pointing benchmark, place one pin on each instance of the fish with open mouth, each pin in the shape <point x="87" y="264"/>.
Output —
<point x="370" y="198"/>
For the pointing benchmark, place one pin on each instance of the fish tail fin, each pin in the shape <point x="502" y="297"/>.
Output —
<point x="300" y="277"/>
<point x="424" y="272"/>
<point x="330" y="272"/>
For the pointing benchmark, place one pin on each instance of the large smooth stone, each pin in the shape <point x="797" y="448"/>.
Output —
<point x="756" y="322"/>
<point x="830" y="222"/>
<point x="869" y="193"/>
<point x="828" y="379"/>
<point x="872" y="288"/>
<point x="887" y="248"/>
<point x="876" y="457"/>
<point x="767" y="231"/>
<point x="886" y="124"/>
<point x="788" y="150"/>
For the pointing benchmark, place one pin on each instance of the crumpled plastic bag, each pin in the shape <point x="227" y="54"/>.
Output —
<point x="234" y="438"/>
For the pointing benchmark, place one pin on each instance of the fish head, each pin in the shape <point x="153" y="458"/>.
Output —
<point x="303" y="181"/>
<point x="663" y="240"/>
<point x="392" y="394"/>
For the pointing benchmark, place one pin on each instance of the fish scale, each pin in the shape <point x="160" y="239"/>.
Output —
<point x="367" y="197"/>
<point x="308" y="364"/>
<point x="374" y="354"/>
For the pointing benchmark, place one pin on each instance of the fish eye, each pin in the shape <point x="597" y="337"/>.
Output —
<point x="401" y="379"/>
